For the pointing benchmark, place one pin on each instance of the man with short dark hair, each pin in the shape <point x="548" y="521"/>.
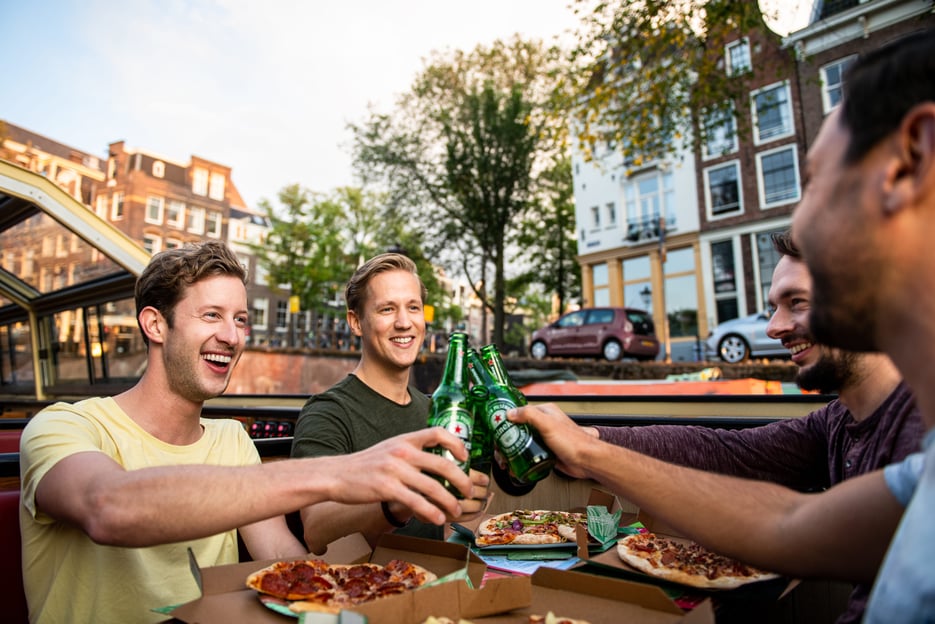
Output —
<point x="873" y="422"/>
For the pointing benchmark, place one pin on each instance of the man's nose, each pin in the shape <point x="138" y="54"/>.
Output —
<point x="780" y="322"/>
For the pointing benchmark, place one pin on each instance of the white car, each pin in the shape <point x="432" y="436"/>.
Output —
<point x="742" y="338"/>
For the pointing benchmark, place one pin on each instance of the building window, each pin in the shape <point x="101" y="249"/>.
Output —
<point x="720" y="133"/>
<point x="258" y="313"/>
<point x="738" y="57"/>
<point x="778" y="176"/>
<point x="152" y="243"/>
<point x="681" y="293"/>
<point x="159" y="169"/>
<point x="217" y="187"/>
<point x="601" y="284"/>
<point x="722" y="189"/>
<point x="772" y="113"/>
<point x="767" y="259"/>
<point x="832" y="82"/>
<point x="173" y="243"/>
<point x="213" y="224"/>
<point x="116" y="207"/>
<point x="648" y="199"/>
<point x="200" y="181"/>
<point x="282" y="314"/>
<point x="637" y="292"/>
<point x="611" y="215"/>
<point x="261" y="274"/>
<point x="154" y="207"/>
<point x="595" y="217"/>
<point x="725" y="285"/>
<point x="196" y="220"/>
<point x="175" y="214"/>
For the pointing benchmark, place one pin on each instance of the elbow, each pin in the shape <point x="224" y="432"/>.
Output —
<point x="109" y="522"/>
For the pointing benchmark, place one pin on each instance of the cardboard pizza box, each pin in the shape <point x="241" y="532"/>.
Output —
<point x="226" y="600"/>
<point x="766" y="592"/>
<point x="600" y="600"/>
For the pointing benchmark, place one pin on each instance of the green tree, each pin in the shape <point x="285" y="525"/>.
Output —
<point x="459" y="152"/>
<point x="644" y="70"/>
<point x="550" y="236"/>
<point x="305" y="248"/>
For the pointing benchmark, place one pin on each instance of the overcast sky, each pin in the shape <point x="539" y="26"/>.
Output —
<point x="266" y="87"/>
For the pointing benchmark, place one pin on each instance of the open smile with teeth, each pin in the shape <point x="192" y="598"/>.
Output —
<point x="799" y="347"/>
<point x="217" y="358"/>
<point x="403" y="340"/>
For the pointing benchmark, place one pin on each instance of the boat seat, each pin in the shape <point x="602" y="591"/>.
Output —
<point x="12" y="595"/>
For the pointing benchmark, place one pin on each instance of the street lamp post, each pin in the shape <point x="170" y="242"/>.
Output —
<point x="647" y="296"/>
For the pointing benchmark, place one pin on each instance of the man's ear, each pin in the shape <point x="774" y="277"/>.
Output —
<point x="912" y="174"/>
<point x="353" y="321"/>
<point x="153" y="324"/>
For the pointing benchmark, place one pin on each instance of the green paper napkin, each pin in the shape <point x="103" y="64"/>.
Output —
<point x="602" y="525"/>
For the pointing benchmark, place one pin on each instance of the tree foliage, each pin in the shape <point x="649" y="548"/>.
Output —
<point x="460" y="155"/>
<point x="305" y="249"/>
<point x="643" y="70"/>
<point x="550" y="236"/>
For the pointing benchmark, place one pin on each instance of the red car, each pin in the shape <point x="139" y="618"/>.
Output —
<point x="609" y="332"/>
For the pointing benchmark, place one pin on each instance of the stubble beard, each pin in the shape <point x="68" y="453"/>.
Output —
<point x="831" y="373"/>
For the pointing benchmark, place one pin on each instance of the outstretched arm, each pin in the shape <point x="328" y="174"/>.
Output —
<point x="841" y="533"/>
<point x="328" y="521"/>
<point x="174" y="503"/>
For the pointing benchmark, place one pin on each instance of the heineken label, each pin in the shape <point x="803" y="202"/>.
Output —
<point x="511" y="439"/>
<point x="458" y="421"/>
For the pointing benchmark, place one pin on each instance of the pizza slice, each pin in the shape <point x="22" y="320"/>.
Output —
<point x="686" y="563"/>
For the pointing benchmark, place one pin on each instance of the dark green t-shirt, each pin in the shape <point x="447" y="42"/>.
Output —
<point x="349" y="417"/>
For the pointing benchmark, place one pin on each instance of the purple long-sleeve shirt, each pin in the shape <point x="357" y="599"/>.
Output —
<point x="809" y="453"/>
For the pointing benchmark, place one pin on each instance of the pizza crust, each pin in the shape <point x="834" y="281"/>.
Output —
<point x="650" y="563"/>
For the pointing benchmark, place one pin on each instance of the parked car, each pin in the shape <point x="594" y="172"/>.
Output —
<point x="743" y="338"/>
<point x="609" y="332"/>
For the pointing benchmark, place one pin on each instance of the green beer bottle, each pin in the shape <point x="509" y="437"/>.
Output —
<point x="529" y="460"/>
<point x="481" y="440"/>
<point x="491" y="356"/>
<point x="450" y="407"/>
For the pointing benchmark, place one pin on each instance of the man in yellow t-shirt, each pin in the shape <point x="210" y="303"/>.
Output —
<point x="116" y="490"/>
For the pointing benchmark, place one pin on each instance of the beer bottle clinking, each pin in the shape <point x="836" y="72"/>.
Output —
<point x="528" y="459"/>
<point x="481" y="439"/>
<point x="450" y="405"/>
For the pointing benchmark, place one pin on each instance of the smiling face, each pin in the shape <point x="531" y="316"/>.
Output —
<point x="834" y="227"/>
<point x="820" y="368"/>
<point x="390" y="320"/>
<point x="206" y="338"/>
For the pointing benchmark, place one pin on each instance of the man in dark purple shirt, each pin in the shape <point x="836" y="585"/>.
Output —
<point x="873" y="422"/>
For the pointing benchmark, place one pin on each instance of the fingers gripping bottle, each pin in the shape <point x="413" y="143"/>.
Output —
<point x="450" y="404"/>
<point x="529" y="460"/>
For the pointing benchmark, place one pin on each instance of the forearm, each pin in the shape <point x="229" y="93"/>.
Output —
<point x="329" y="521"/>
<point x="787" y="453"/>
<point x="175" y="503"/>
<point x="761" y="523"/>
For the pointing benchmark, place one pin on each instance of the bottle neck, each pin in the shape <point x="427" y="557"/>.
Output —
<point x="454" y="363"/>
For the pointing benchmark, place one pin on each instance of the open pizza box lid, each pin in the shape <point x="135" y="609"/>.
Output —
<point x="226" y="600"/>
<point x="600" y="600"/>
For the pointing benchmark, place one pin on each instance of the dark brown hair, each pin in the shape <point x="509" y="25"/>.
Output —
<point x="784" y="245"/>
<point x="883" y="85"/>
<point x="164" y="280"/>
